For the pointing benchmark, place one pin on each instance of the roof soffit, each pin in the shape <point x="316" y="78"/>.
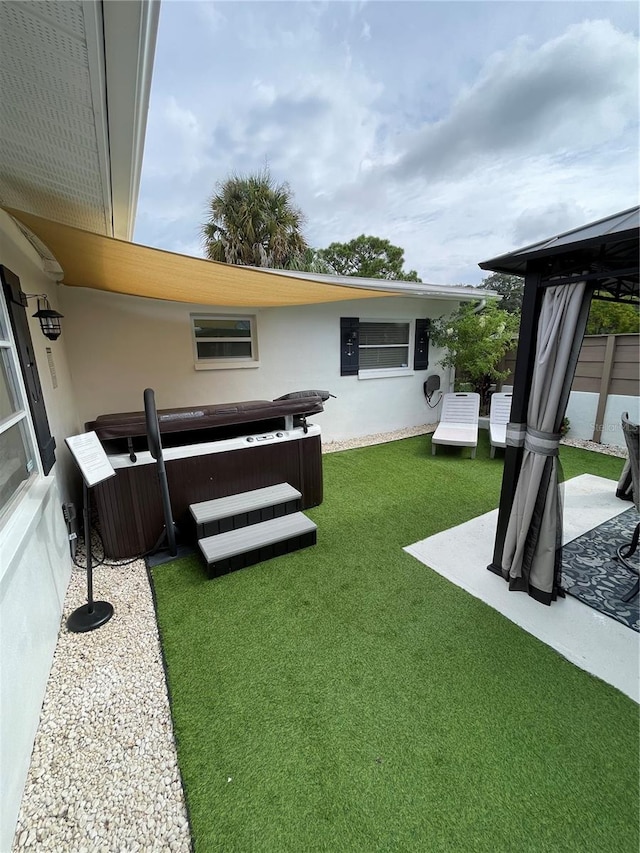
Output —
<point x="50" y="160"/>
<point x="459" y="293"/>
<point x="66" y="154"/>
<point x="130" y="32"/>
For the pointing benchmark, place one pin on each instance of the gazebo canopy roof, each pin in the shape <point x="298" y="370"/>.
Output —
<point x="605" y="252"/>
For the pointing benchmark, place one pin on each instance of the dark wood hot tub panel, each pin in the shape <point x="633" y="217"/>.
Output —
<point x="129" y="504"/>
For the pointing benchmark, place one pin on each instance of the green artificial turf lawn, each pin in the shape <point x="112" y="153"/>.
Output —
<point x="347" y="698"/>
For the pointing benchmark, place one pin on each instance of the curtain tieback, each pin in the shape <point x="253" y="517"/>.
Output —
<point x="534" y="440"/>
<point x="516" y="434"/>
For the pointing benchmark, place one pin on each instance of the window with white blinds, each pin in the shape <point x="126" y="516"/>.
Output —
<point x="224" y="341"/>
<point x="384" y="345"/>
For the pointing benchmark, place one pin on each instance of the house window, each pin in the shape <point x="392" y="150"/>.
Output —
<point x="15" y="323"/>
<point x="17" y="457"/>
<point x="224" y="341"/>
<point x="384" y="345"/>
<point x="371" y="349"/>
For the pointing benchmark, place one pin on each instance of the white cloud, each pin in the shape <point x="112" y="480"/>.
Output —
<point x="212" y="15"/>
<point x="568" y="95"/>
<point x="409" y="125"/>
<point x="537" y="223"/>
<point x="177" y="142"/>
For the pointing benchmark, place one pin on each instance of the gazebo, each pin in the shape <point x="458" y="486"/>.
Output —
<point x="562" y="275"/>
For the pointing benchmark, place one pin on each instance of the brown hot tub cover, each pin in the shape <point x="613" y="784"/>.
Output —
<point x="131" y="424"/>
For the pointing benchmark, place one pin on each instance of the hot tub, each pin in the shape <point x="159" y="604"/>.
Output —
<point x="209" y="452"/>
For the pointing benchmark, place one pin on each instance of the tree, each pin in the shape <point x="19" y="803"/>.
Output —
<point x="310" y="260"/>
<point x="611" y="318"/>
<point x="253" y="221"/>
<point x="475" y="343"/>
<point x="368" y="257"/>
<point x="510" y="287"/>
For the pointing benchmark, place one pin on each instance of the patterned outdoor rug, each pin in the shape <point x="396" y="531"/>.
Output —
<point x="590" y="573"/>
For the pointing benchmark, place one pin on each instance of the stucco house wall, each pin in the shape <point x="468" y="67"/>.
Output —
<point x="35" y="563"/>
<point x="21" y="258"/>
<point x="119" y="345"/>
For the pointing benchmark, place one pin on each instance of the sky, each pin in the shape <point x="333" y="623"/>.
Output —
<point x="457" y="130"/>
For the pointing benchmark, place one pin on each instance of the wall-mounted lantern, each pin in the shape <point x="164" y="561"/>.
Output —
<point x="48" y="317"/>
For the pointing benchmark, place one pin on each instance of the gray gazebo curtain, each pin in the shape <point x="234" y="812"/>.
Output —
<point x="531" y="553"/>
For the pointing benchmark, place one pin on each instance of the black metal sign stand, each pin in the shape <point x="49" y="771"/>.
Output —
<point x="93" y="614"/>
<point x="94" y="467"/>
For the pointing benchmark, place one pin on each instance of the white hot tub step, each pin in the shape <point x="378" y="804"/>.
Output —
<point x="247" y="508"/>
<point x="246" y="546"/>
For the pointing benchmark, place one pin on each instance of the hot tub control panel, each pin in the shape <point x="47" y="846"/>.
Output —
<point x="244" y="442"/>
<point x="270" y="436"/>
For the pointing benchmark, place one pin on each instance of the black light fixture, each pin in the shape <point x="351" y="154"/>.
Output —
<point x="350" y="340"/>
<point x="49" y="319"/>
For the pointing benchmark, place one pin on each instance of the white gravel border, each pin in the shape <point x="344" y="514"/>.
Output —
<point x="104" y="774"/>
<point x="425" y="429"/>
<point x="606" y="449"/>
<point x="377" y="438"/>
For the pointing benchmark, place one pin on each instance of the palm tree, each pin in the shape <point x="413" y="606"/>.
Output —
<point x="253" y="221"/>
<point x="311" y="260"/>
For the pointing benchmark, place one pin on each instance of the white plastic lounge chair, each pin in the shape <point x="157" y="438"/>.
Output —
<point x="458" y="422"/>
<point x="498" y="419"/>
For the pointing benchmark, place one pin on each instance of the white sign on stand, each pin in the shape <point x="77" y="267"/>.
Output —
<point x="94" y="466"/>
<point x="90" y="457"/>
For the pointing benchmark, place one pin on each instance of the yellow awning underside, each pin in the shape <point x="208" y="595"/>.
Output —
<point x="104" y="263"/>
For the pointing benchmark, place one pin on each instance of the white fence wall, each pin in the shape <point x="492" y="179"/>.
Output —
<point x="582" y="412"/>
<point x="606" y="384"/>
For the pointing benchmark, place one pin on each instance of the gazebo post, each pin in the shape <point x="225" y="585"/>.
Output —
<point x="525" y="358"/>
<point x="601" y="257"/>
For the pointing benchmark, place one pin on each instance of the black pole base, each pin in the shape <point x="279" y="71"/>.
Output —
<point x="89" y="616"/>
<point x="167" y="542"/>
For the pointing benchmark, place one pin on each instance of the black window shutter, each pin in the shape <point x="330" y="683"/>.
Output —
<point x="16" y="306"/>
<point x="421" y="347"/>
<point x="349" y="340"/>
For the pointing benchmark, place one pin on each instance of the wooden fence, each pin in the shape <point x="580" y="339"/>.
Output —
<point x="608" y="364"/>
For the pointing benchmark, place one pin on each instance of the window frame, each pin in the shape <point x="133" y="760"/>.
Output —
<point x="383" y="372"/>
<point x="222" y="363"/>
<point x="20" y="417"/>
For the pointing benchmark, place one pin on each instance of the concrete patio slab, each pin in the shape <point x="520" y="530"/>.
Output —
<point x="594" y="642"/>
